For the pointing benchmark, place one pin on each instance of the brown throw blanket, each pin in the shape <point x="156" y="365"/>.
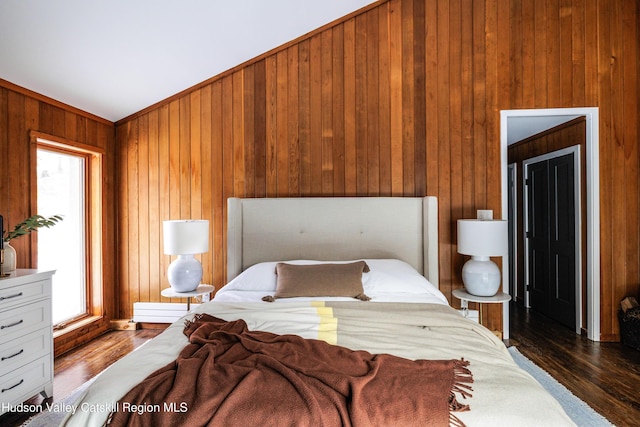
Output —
<point x="228" y="375"/>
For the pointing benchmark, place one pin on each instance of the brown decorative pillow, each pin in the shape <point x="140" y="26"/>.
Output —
<point x="320" y="280"/>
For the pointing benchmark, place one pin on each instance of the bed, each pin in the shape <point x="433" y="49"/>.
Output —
<point x="393" y="314"/>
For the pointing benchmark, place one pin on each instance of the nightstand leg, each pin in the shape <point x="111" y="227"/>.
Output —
<point x="188" y="304"/>
<point x="464" y="304"/>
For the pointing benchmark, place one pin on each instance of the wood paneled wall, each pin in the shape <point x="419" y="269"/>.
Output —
<point x="22" y="111"/>
<point x="401" y="98"/>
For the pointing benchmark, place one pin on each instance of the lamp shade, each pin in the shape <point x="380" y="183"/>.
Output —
<point x="186" y="236"/>
<point x="482" y="237"/>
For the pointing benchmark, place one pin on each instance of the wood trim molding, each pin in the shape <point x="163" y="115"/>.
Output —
<point x="39" y="97"/>
<point x="56" y="140"/>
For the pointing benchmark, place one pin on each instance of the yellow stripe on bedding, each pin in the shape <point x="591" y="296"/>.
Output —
<point x="328" y="325"/>
<point x="328" y="330"/>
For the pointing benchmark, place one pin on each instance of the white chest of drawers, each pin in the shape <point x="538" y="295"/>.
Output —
<point x="26" y="337"/>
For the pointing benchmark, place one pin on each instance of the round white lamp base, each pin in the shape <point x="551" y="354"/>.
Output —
<point x="184" y="273"/>
<point x="481" y="277"/>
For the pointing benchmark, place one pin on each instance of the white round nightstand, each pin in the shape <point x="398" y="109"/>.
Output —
<point x="200" y="290"/>
<point x="465" y="297"/>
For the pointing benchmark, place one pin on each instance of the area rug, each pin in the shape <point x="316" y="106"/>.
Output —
<point x="581" y="413"/>
<point x="54" y="414"/>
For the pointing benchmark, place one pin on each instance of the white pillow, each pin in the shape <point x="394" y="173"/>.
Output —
<point x="386" y="276"/>
<point x="394" y="276"/>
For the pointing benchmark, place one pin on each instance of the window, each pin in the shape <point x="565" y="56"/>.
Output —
<point x="62" y="191"/>
<point x="69" y="184"/>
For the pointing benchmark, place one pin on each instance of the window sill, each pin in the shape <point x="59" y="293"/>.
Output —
<point x="79" y="333"/>
<point x="76" y="325"/>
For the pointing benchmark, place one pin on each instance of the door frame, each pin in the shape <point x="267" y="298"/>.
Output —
<point x="592" y="203"/>
<point x="575" y="150"/>
<point x="512" y="169"/>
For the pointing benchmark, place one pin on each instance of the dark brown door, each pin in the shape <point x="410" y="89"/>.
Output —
<point x="552" y="239"/>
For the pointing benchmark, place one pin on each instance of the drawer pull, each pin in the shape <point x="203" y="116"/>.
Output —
<point x="11" y="325"/>
<point x="13" y="386"/>
<point x="11" y="296"/>
<point x="13" y="355"/>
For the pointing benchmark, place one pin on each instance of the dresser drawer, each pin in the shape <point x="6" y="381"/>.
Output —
<point x="17" y="295"/>
<point x="22" y="320"/>
<point x="24" y="349"/>
<point x="24" y="382"/>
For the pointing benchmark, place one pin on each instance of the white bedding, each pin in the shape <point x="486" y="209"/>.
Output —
<point x="503" y="394"/>
<point x="389" y="280"/>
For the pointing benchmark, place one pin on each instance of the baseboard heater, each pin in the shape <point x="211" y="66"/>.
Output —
<point x="472" y="315"/>
<point x="159" y="312"/>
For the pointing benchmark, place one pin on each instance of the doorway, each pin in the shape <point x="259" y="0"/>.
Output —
<point x="511" y="123"/>
<point x="551" y="200"/>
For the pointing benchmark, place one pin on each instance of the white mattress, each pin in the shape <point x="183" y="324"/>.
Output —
<point x="389" y="280"/>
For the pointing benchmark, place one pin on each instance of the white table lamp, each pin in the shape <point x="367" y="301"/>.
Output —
<point x="185" y="238"/>
<point x="482" y="239"/>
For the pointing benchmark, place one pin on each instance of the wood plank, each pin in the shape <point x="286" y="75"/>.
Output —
<point x="326" y="112"/>
<point x="164" y="189"/>
<point x="448" y="272"/>
<point x="217" y="183"/>
<point x="248" y="139"/>
<point x="337" y="110"/>
<point x="292" y="140"/>
<point x="238" y="133"/>
<point x="304" y="117"/>
<point x="142" y="245"/>
<point x="155" y="218"/>
<point x="260" y="131"/>
<point x="208" y="265"/>
<point x="553" y="53"/>
<point x="195" y="156"/>
<point x="282" y="146"/>
<point x="467" y="108"/>
<point x="271" y="126"/>
<point x="578" y="52"/>
<point x="372" y="104"/>
<point x="540" y="54"/>
<point x="350" y="133"/>
<point x="395" y="97"/>
<point x="315" y="116"/>
<point x="132" y="286"/>
<point x="431" y="95"/>
<point x="566" y="52"/>
<point x="419" y="131"/>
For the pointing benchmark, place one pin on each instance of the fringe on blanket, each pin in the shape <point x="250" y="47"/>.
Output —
<point x="461" y="380"/>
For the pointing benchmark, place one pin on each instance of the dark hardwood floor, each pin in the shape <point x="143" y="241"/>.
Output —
<point x="605" y="375"/>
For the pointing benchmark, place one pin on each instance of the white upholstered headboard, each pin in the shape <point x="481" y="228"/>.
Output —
<point x="333" y="229"/>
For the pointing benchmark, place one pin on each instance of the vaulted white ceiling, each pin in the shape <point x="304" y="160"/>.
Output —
<point x="113" y="58"/>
